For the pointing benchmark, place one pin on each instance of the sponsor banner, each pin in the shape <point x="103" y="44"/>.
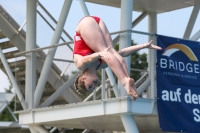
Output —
<point x="178" y="85"/>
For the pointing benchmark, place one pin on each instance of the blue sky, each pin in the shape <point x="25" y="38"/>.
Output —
<point x="171" y="23"/>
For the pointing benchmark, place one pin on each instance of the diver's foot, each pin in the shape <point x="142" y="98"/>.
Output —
<point x="131" y="88"/>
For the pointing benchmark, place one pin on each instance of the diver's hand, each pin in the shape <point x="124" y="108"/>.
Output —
<point x="104" y="54"/>
<point x="150" y="45"/>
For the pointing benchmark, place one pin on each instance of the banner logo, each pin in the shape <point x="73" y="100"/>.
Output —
<point x="180" y="47"/>
<point x="189" y="65"/>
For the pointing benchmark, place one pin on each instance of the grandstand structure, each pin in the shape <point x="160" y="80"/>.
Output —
<point x="43" y="80"/>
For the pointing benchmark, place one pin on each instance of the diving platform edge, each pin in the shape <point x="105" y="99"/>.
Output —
<point x="99" y="114"/>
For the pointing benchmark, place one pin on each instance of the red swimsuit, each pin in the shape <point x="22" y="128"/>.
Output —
<point x="80" y="47"/>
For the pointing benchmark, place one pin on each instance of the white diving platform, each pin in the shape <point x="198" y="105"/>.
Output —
<point x="156" y="6"/>
<point x="99" y="114"/>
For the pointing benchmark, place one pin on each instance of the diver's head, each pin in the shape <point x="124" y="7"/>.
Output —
<point x="85" y="82"/>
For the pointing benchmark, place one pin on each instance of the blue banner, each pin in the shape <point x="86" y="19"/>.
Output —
<point x="178" y="85"/>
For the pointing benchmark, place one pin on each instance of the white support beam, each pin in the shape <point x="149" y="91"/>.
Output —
<point x="129" y="123"/>
<point x="49" y="59"/>
<point x="112" y="82"/>
<point x="192" y="20"/>
<point x="125" y="41"/>
<point x="31" y="57"/>
<point x="152" y="55"/>
<point x="12" y="79"/>
<point x="11" y="33"/>
<point x="139" y="19"/>
<point x="125" y="38"/>
<point x="196" y="36"/>
<point x="152" y="20"/>
<point x="143" y="86"/>
<point x="103" y="79"/>
<point x="84" y="7"/>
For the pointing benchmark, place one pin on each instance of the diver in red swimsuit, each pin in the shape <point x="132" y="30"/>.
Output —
<point x="80" y="47"/>
<point x="93" y="50"/>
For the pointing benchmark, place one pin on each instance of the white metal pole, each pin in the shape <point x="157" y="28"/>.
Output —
<point x="31" y="57"/>
<point x="112" y="82"/>
<point x="192" y="20"/>
<point x="125" y="38"/>
<point x="152" y="28"/>
<point x="51" y="53"/>
<point x="125" y="41"/>
<point x="103" y="77"/>
<point x="12" y="79"/>
<point x="84" y="7"/>
<point x="108" y="93"/>
<point x="196" y="36"/>
<point x="152" y="55"/>
<point x="129" y="123"/>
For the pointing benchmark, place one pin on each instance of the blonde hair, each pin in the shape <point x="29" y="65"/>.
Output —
<point x="80" y="85"/>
